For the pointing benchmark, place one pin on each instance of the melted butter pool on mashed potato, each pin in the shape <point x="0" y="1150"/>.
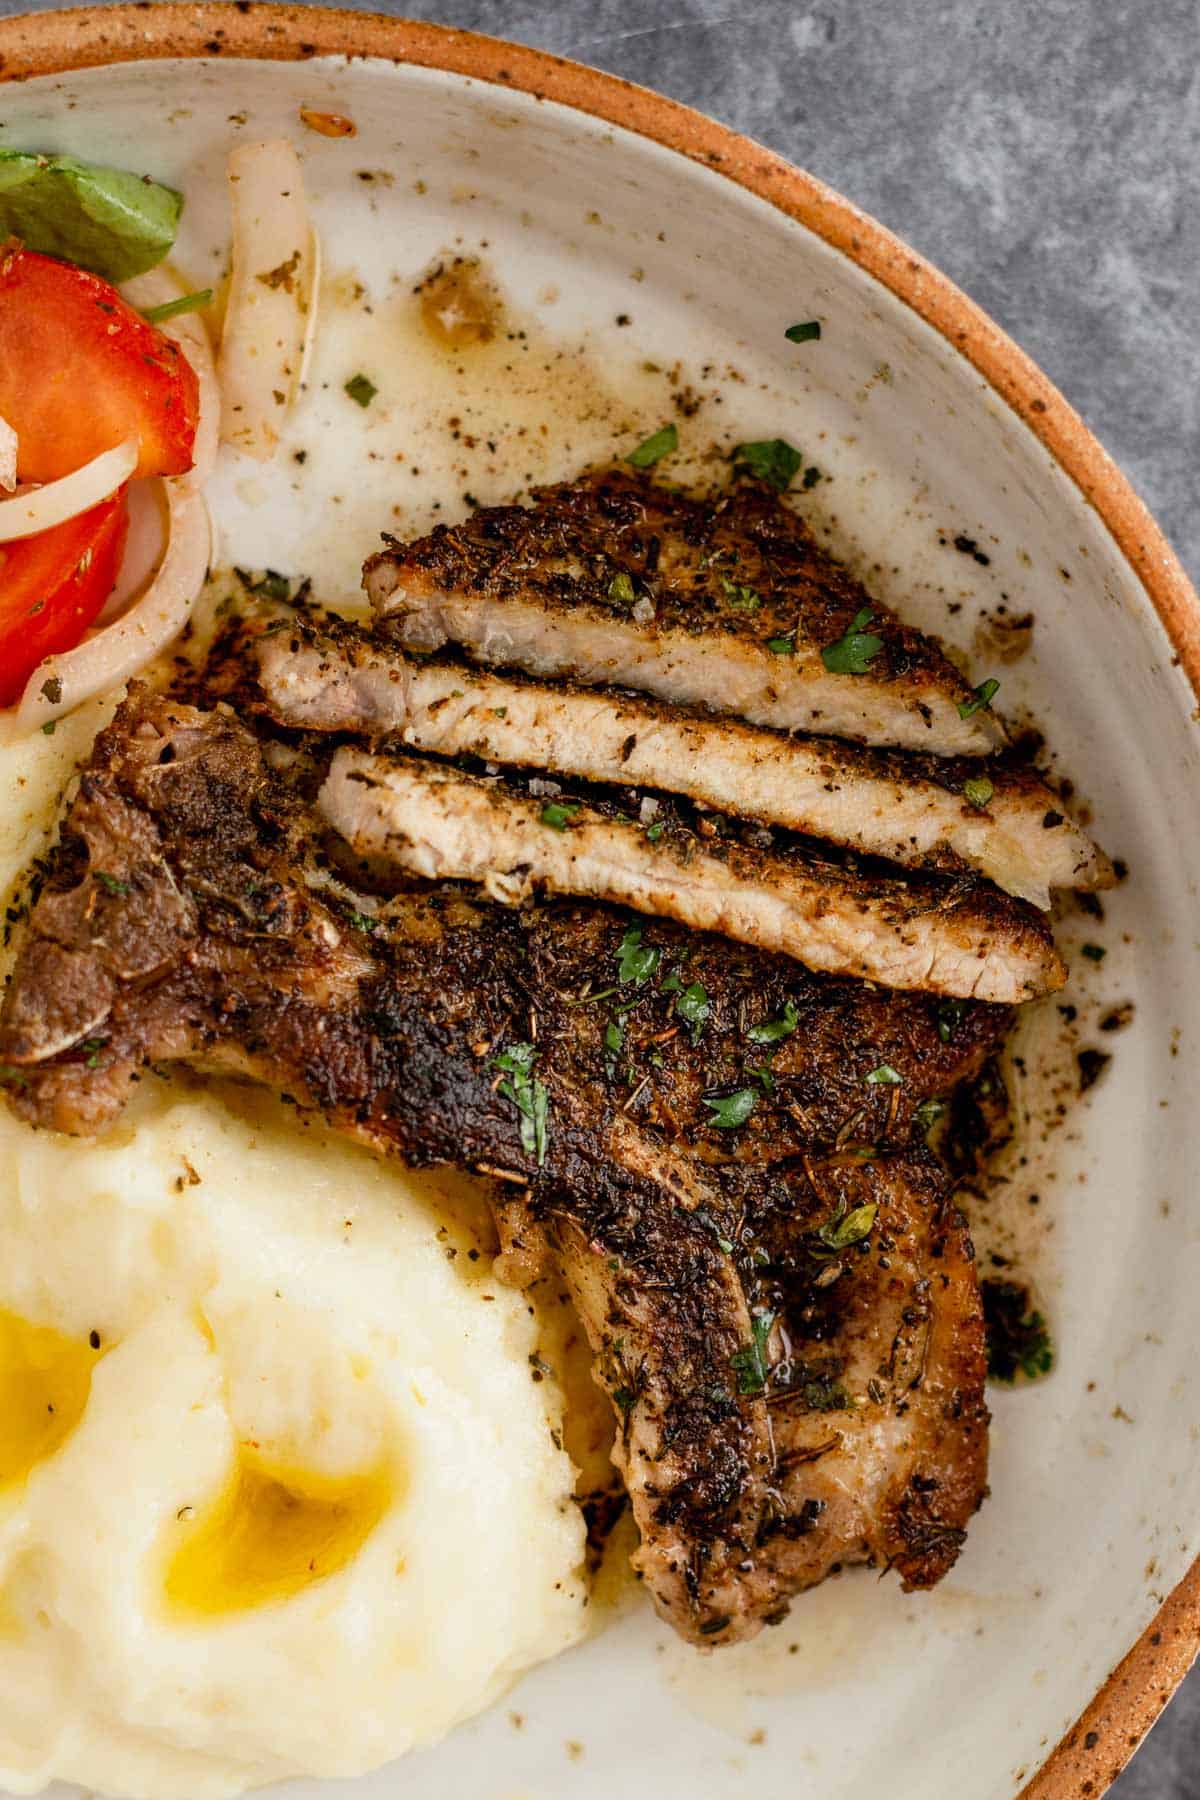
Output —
<point x="297" y="1507"/>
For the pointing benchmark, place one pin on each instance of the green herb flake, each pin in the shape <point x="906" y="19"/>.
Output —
<point x="693" y="1007"/>
<point x="849" y="1228"/>
<point x="1018" y="1340"/>
<point x="10" y="1077"/>
<point x="636" y="962"/>
<point x="270" y="586"/>
<point x="949" y="1017"/>
<point x="625" y="1398"/>
<point x="621" y="588"/>
<point x="772" y="460"/>
<point x="928" y="1114"/>
<point x="558" y="814"/>
<point x="1094" y="952"/>
<point x="741" y="599"/>
<point x="750" y="1364"/>
<point x="782" y="646"/>
<point x="111" y="221"/>
<point x="978" y="791"/>
<point x="654" y="448"/>
<point x="773" y="1031"/>
<point x="172" y="309"/>
<point x="361" y="389"/>
<point x="981" y="698"/>
<point x="884" y="1076"/>
<point x="361" y="922"/>
<point x="48" y="727"/>
<point x="655" y="831"/>
<point x="731" y="1110"/>
<point x="803" y="333"/>
<point x="672" y="983"/>
<point x="110" y="883"/>
<point x="614" y="1038"/>
<point x="854" y="653"/>
<point x="91" y="1048"/>
<point x="529" y="1096"/>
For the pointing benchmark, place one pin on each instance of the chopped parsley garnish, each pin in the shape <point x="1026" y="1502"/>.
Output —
<point x="92" y="1048"/>
<point x="731" y="1110"/>
<point x="654" y="448"/>
<point x="614" y="1038"/>
<point x="361" y="389"/>
<point x="773" y="1031"/>
<point x="1094" y="952"/>
<point x="621" y="588"/>
<point x="928" y="1114"/>
<point x="772" y="460"/>
<point x="693" y="1007"/>
<point x="742" y="599"/>
<point x="949" y="1017"/>
<point x="655" y="831"/>
<point x="558" y="814"/>
<point x="982" y="697"/>
<point x="884" y="1076"/>
<point x="636" y="962"/>
<point x="764" y="1075"/>
<point x="529" y="1096"/>
<point x="750" y="1364"/>
<point x="853" y="653"/>
<point x="110" y="883"/>
<point x="171" y="309"/>
<point x="625" y="1398"/>
<point x="782" y="646"/>
<point x="1017" y="1336"/>
<point x="48" y="727"/>
<point x="271" y="586"/>
<point x="361" y="922"/>
<point x="849" y="1228"/>
<point x="804" y="332"/>
<point x="978" y="790"/>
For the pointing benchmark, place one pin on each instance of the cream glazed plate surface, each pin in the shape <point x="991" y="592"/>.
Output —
<point x="592" y="286"/>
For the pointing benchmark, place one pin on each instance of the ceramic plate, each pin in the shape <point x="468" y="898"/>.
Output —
<point x="632" y="265"/>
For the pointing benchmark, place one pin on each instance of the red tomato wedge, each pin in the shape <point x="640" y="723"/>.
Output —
<point x="53" y="585"/>
<point x="80" y="371"/>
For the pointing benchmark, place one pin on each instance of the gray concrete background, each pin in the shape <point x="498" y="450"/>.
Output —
<point x="1046" y="155"/>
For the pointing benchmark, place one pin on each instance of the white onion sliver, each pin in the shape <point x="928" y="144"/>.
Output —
<point x="272" y="295"/>
<point x="39" y="509"/>
<point x="8" y="456"/>
<point x="116" y="653"/>
<point x="189" y="331"/>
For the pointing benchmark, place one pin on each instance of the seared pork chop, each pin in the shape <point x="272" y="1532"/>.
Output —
<point x="726" y="603"/>
<point x="1002" y="821"/>
<point x="960" y="937"/>
<point x="793" y="1350"/>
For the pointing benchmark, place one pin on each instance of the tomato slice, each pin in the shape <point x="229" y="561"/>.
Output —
<point x="80" y="371"/>
<point x="53" y="585"/>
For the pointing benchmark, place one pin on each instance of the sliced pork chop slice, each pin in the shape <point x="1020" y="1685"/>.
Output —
<point x="1003" y="821"/>
<point x="726" y="602"/>
<point x="964" y="939"/>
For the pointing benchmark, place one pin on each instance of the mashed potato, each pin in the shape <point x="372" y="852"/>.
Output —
<point x="278" y="1493"/>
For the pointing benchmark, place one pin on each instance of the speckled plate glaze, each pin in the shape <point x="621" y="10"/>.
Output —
<point x="617" y="231"/>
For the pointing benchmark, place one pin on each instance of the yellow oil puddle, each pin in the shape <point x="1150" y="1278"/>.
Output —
<point x="45" y="1381"/>
<point x="269" y="1535"/>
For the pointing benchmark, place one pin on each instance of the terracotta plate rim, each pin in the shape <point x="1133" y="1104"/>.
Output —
<point x="1095" y="1750"/>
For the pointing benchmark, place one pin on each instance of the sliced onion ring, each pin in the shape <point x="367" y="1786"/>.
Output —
<point x="272" y="295"/>
<point x="41" y="508"/>
<point x="8" y="456"/>
<point x="111" y="656"/>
